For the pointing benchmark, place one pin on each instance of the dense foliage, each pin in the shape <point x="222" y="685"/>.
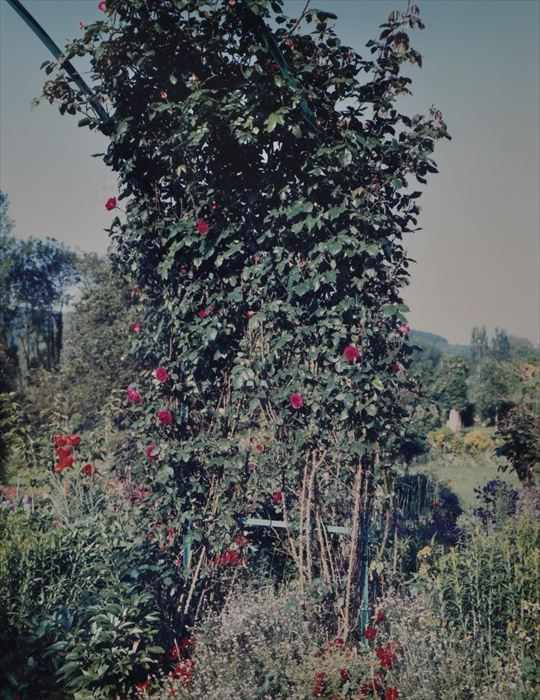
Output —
<point x="267" y="178"/>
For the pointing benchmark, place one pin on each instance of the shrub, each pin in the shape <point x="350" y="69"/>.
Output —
<point x="95" y="599"/>
<point x="478" y="441"/>
<point x="445" y="440"/>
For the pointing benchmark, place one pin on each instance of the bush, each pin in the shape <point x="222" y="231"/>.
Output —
<point x="445" y="440"/>
<point x="92" y="602"/>
<point x="478" y="441"/>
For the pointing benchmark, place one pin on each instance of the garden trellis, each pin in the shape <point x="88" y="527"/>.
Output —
<point x="267" y="200"/>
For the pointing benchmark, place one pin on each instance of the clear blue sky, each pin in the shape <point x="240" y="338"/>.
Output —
<point x="478" y="254"/>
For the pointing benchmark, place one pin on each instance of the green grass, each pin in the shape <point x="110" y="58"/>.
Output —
<point x="462" y="473"/>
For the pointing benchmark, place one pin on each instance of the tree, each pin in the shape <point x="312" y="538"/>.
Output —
<point x="492" y="388"/>
<point x="519" y="433"/>
<point x="479" y="344"/>
<point x="450" y="385"/>
<point x="267" y="192"/>
<point x="500" y="345"/>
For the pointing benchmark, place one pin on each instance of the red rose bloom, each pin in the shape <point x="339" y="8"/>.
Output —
<point x="60" y="440"/>
<point x="151" y="452"/>
<point x="165" y="417"/>
<point x="110" y="204"/>
<point x="277" y="497"/>
<point x="135" y="327"/>
<point x="63" y="452"/>
<point x="88" y="470"/>
<point x="74" y="440"/>
<point x="133" y="396"/>
<point x="202" y="227"/>
<point x="370" y="633"/>
<point x="351" y="353"/>
<point x="296" y="400"/>
<point x="64" y="462"/>
<point x="391" y="694"/>
<point x="161" y="374"/>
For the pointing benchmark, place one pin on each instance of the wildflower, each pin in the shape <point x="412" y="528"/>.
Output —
<point x="133" y="396"/>
<point x="110" y="204"/>
<point x="64" y="462"/>
<point x="241" y="541"/>
<point x="203" y="313"/>
<point x="202" y="227"/>
<point x="164" y="416"/>
<point x="64" y="452"/>
<point x="151" y="452"/>
<point x="351" y="353"/>
<point x="136" y="327"/>
<point x="88" y="470"/>
<point x="161" y="374"/>
<point x="277" y="497"/>
<point x="74" y="440"/>
<point x="59" y="440"/>
<point x="370" y="633"/>
<point x="296" y="400"/>
<point x="391" y="694"/>
<point x="231" y="557"/>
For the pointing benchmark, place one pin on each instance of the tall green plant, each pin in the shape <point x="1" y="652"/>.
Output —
<point x="267" y="182"/>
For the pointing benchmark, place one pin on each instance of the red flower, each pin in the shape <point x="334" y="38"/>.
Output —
<point x="203" y="313"/>
<point x="320" y="684"/>
<point x="241" y="541"/>
<point x="344" y="674"/>
<point x="133" y="396"/>
<point x="391" y="694"/>
<point x="373" y="685"/>
<point x="231" y="557"/>
<point x="151" y="452"/>
<point x="74" y="440"/>
<point x="386" y="655"/>
<point x="110" y="204"/>
<point x="351" y="353"/>
<point x="65" y="462"/>
<point x="179" y="649"/>
<point x="202" y="227"/>
<point x="136" y="327"/>
<point x="183" y="671"/>
<point x="60" y="440"/>
<point x="277" y="497"/>
<point x="141" y="688"/>
<point x="397" y="367"/>
<point x="102" y="6"/>
<point x="63" y="452"/>
<point x="165" y="417"/>
<point x="161" y="374"/>
<point x="370" y="633"/>
<point x="88" y="470"/>
<point x="379" y="617"/>
<point x="296" y="400"/>
<point x="215" y="205"/>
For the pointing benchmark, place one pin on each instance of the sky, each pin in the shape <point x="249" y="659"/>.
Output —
<point x="478" y="254"/>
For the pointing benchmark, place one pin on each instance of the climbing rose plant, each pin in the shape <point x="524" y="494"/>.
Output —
<point x="266" y="178"/>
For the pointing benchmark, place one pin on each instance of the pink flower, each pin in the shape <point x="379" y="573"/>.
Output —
<point x="136" y="327"/>
<point x="82" y="25"/>
<point x="151" y="451"/>
<point x="203" y="313"/>
<point x="202" y="227"/>
<point x="397" y="367"/>
<point x="102" y="6"/>
<point x="161" y="374"/>
<point x="277" y="497"/>
<point x="351" y="353"/>
<point x="164" y="416"/>
<point x="133" y="396"/>
<point x="370" y="633"/>
<point x="404" y="329"/>
<point x="296" y="400"/>
<point x="110" y="204"/>
<point x="163" y="95"/>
